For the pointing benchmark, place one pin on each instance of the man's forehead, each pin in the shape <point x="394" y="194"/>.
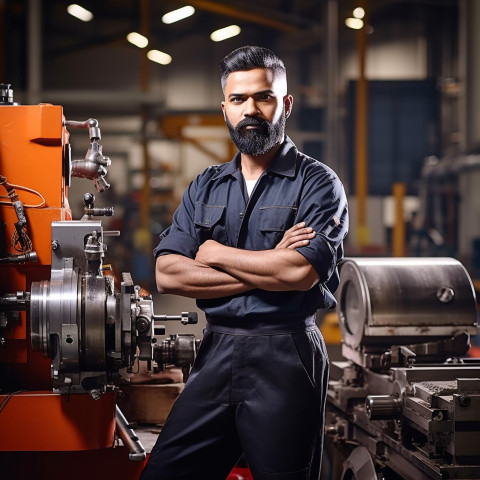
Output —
<point x="263" y="78"/>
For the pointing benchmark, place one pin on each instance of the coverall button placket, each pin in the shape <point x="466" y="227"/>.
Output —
<point x="245" y="216"/>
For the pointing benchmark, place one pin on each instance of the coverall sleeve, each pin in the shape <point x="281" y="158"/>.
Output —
<point x="324" y="208"/>
<point x="180" y="237"/>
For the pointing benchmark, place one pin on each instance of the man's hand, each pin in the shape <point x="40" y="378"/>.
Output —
<point x="208" y="251"/>
<point x="297" y="236"/>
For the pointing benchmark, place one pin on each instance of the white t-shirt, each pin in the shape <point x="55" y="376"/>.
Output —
<point x="250" y="186"/>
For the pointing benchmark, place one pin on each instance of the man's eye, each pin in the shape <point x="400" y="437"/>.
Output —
<point x="265" y="96"/>
<point x="237" y="99"/>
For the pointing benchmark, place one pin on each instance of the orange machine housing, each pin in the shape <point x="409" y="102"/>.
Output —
<point x="32" y="146"/>
<point x="34" y="153"/>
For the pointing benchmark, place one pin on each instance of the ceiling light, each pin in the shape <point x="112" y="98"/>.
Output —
<point x="179" y="14"/>
<point x="79" y="12"/>
<point x="224" y="33"/>
<point x="359" y="12"/>
<point x="159" y="57"/>
<point x="354" y="23"/>
<point x="138" y="40"/>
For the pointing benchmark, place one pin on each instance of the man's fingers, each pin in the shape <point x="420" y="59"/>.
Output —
<point x="297" y="230"/>
<point x="304" y="234"/>
<point x="296" y="241"/>
<point x="295" y="227"/>
<point x="296" y="236"/>
<point x="299" y="243"/>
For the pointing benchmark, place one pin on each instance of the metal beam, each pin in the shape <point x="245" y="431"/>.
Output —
<point x="240" y="14"/>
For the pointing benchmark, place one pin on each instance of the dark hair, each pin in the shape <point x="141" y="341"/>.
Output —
<point x="248" y="58"/>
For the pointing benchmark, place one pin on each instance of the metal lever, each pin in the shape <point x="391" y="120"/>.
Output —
<point x="186" y="318"/>
<point x="129" y="439"/>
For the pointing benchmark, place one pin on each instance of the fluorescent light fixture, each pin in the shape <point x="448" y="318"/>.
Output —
<point x="79" y="12"/>
<point x="224" y="33"/>
<point x="179" y="14"/>
<point x="359" y="12"/>
<point x="354" y="23"/>
<point x="138" y="40"/>
<point x="159" y="57"/>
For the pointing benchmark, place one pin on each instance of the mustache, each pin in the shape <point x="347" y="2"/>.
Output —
<point x="252" y="121"/>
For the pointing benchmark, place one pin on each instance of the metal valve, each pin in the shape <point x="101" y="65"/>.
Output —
<point x="93" y="166"/>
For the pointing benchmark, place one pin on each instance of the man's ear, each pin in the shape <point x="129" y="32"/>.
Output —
<point x="223" y="109"/>
<point x="288" y="102"/>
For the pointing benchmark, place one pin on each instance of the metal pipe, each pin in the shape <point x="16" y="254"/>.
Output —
<point x="361" y="137"/>
<point x="22" y="258"/>
<point x="331" y="77"/>
<point x="462" y="74"/>
<point x="128" y="437"/>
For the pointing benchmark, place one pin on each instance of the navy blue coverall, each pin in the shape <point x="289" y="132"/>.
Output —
<point x="259" y="381"/>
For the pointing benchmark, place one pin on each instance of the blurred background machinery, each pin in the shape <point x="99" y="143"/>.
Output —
<point x="69" y="330"/>
<point x="405" y="401"/>
<point x="386" y="93"/>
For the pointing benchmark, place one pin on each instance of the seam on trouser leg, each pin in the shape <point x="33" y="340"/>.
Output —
<point x="303" y="474"/>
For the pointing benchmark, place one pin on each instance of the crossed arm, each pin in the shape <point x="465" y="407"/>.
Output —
<point x="219" y="271"/>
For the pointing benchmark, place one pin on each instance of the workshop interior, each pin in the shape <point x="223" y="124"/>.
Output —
<point x="108" y="109"/>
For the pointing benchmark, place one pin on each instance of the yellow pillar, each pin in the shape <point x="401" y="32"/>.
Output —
<point x="398" y="241"/>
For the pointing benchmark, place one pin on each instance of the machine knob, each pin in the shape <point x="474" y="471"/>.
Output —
<point x="143" y="324"/>
<point x="189" y="318"/>
<point x="383" y="407"/>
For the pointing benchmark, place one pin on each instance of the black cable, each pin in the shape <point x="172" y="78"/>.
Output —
<point x="8" y="398"/>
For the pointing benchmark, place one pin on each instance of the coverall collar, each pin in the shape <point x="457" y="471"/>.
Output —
<point x="284" y="163"/>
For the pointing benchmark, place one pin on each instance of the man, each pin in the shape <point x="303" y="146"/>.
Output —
<point x="256" y="241"/>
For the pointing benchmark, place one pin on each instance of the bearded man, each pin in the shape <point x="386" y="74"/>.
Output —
<point x="257" y="242"/>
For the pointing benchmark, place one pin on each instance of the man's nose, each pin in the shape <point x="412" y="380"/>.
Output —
<point x="251" y="108"/>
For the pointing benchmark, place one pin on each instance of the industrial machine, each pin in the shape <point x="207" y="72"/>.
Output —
<point x="405" y="403"/>
<point x="68" y="328"/>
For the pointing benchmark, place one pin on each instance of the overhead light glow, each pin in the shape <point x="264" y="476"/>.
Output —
<point x="224" y="33"/>
<point x="179" y="14"/>
<point x="354" y="23"/>
<point x="138" y="40"/>
<point x="359" y="12"/>
<point x="79" y="12"/>
<point x="159" y="57"/>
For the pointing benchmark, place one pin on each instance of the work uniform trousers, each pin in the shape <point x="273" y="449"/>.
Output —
<point x="263" y="395"/>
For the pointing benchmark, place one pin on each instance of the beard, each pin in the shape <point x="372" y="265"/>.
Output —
<point x="258" y="141"/>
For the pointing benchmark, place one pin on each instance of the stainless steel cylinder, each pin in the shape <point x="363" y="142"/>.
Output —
<point x="397" y="300"/>
<point x="383" y="407"/>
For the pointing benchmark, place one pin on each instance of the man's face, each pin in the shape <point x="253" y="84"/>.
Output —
<point x="256" y="107"/>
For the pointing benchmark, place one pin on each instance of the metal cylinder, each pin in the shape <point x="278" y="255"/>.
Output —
<point x="397" y="300"/>
<point x="128" y="437"/>
<point x="383" y="407"/>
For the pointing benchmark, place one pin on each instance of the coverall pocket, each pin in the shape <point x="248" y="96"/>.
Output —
<point x="208" y="225"/>
<point x="310" y="355"/>
<point x="273" y="221"/>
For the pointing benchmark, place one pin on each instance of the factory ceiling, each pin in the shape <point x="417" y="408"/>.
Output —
<point x="114" y="19"/>
<point x="78" y="55"/>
